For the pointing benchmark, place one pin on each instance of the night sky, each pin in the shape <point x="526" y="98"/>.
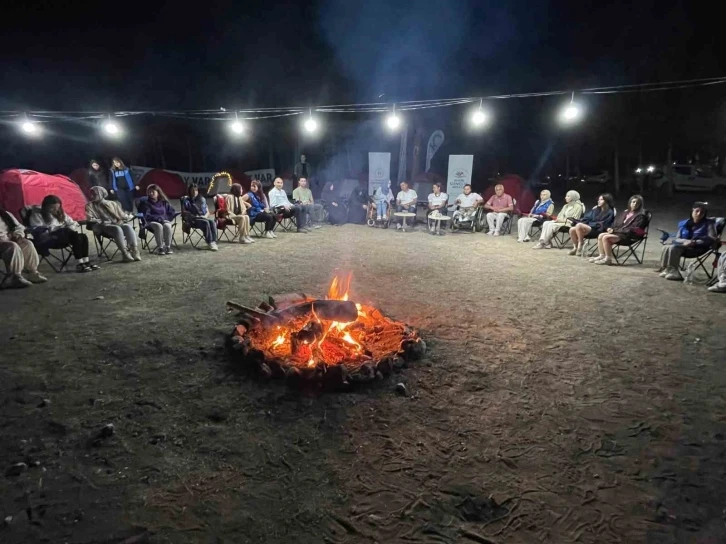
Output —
<point x="159" y="56"/>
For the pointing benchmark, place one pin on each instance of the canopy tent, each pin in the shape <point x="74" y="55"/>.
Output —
<point x="20" y="188"/>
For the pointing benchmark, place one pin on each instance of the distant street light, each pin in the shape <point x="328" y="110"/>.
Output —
<point x="651" y="169"/>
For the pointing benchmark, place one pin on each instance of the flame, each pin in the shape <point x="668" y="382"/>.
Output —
<point x="339" y="287"/>
<point x="280" y="340"/>
<point x="348" y="338"/>
<point x="361" y="313"/>
<point x="311" y="362"/>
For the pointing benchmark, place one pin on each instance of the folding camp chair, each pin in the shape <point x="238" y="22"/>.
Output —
<point x="287" y="224"/>
<point x="562" y="236"/>
<point x="630" y="249"/>
<point x="58" y="256"/>
<point x="506" y="227"/>
<point x="103" y="243"/>
<point x="226" y="228"/>
<point x="190" y="233"/>
<point x="591" y="239"/>
<point x="146" y="236"/>
<point x="699" y="262"/>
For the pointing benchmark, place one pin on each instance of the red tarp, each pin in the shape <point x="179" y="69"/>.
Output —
<point x="20" y="188"/>
<point x="515" y="187"/>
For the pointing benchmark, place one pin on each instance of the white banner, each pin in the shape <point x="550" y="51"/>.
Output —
<point x="379" y="170"/>
<point x="202" y="179"/>
<point x="459" y="174"/>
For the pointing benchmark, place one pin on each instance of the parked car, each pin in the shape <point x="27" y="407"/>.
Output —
<point x="692" y="178"/>
<point x="603" y="178"/>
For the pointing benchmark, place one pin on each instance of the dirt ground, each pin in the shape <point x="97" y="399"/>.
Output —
<point x="559" y="402"/>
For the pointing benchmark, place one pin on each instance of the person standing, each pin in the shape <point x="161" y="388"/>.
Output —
<point x="122" y="184"/>
<point x="18" y="252"/>
<point x="302" y="169"/>
<point x="97" y="176"/>
<point x="279" y="204"/>
<point x="499" y="206"/>
<point x="303" y="196"/>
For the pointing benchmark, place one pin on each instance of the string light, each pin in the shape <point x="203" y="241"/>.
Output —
<point x="480" y="118"/>
<point x="571" y="112"/>
<point x="237" y="127"/>
<point x="311" y="125"/>
<point x="393" y="121"/>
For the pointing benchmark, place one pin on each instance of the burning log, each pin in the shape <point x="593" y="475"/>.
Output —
<point x="280" y="302"/>
<point x="342" y="311"/>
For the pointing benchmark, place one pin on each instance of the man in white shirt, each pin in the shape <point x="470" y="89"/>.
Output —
<point x="437" y="204"/>
<point x="406" y="201"/>
<point x="280" y="205"/>
<point x="468" y="202"/>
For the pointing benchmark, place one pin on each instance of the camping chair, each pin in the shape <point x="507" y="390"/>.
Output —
<point x="226" y="228"/>
<point x="700" y="261"/>
<point x="287" y="224"/>
<point x="146" y="237"/>
<point x="57" y="261"/>
<point x="588" y="251"/>
<point x="190" y="233"/>
<point x="474" y="221"/>
<point x="506" y="227"/>
<point x="630" y="249"/>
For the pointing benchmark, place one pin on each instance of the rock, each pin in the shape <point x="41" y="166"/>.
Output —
<point x="336" y="377"/>
<point x="102" y="434"/>
<point x="265" y="371"/>
<point x="16" y="470"/>
<point x="99" y="297"/>
<point x="379" y="375"/>
<point x="43" y="403"/>
<point x="414" y="349"/>
<point x="398" y="363"/>
<point x="385" y="366"/>
<point x="401" y="389"/>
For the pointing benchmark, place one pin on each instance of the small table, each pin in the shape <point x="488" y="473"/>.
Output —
<point x="434" y="222"/>
<point x="404" y="215"/>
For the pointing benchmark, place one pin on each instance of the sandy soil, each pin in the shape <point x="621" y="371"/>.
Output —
<point x="559" y="402"/>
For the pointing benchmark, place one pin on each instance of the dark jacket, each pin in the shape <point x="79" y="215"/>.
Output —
<point x="599" y="220"/>
<point x="633" y="227"/>
<point x="157" y="212"/>
<point x="98" y="178"/>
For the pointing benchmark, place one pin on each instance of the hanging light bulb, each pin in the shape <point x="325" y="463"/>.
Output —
<point x="480" y="117"/>
<point x="29" y="127"/>
<point x="111" y="127"/>
<point x="237" y="127"/>
<point x="571" y="112"/>
<point x="393" y="121"/>
<point x="311" y="125"/>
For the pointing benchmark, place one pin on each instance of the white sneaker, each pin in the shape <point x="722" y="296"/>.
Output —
<point x="135" y="253"/>
<point x="379" y="218"/>
<point x="273" y="234"/>
<point x="490" y="233"/>
<point x="19" y="282"/>
<point x="398" y="226"/>
<point x="538" y="245"/>
<point x="213" y="246"/>
<point x="718" y="288"/>
<point x="573" y="251"/>
<point x="249" y="240"/>
<point x="243" y="240"/>
<point x="527" y="239"/>
<point x="596" y="258"/>
<point x="496" y="233"/>
<point x="269" y="234"/>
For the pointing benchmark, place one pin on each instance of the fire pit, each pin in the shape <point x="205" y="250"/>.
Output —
<point x="332" y="342"/>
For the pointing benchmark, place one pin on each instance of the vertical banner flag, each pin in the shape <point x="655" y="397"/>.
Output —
<point x="459" y="174"/>
<point x="435" y="142"/>
<point x="379" y="170"/>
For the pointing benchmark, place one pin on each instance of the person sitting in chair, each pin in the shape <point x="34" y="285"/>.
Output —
<point x="280" y="205"/>
<point x="259" y="210"/>
<point x="196" y="214"/>
<point x="438" y="202"/>
<point x="236" y="210"/>
<point x="467" y="202"/>
<point x="720" y="285"/>
<point x="52" y="228"/>
<point x="382" y="198"/>
<point x="358" y="205"/>
<point x="592" y="224"/>
<point x="18" y="252"/>
<point x="696" y="235"/>
<point x="303" y="197"/>
<point x="499" y="206"/>
<point x="158" y="215"/>
<point x="337" y="210"/>
<point x="541" y="211"/>
<point x="109" y="219"/>
<point x="406" y="201"/>
<point x="573" y="209"/>
<point x="628" y="227"/>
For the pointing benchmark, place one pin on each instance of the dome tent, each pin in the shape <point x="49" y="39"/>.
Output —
<point x="20" y="188"/>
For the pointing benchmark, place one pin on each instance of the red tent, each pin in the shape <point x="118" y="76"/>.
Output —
<point x="80" y="177"/>
<point x="20" y="188"/>
<point x="515" y="187"/>
<point x="172" y="184"/>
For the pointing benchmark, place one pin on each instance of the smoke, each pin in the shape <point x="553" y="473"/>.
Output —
<point x="397" y="51"/>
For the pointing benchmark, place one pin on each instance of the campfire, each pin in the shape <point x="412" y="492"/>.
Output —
<point x="332" y="342"/>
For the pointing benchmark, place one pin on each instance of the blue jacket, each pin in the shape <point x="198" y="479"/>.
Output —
<point x="257" y="206"/>
<point x="197" y="207"/>
<point x="116" y="175"/>
<point x="540" y="208"/>
<point x="701" y="233"/>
